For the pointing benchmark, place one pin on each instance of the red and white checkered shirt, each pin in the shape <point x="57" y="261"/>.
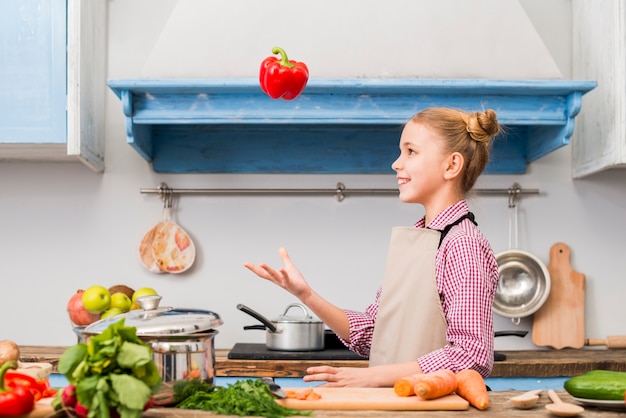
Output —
<point x="467" y="277"/>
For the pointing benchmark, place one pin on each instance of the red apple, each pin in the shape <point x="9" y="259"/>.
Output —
<point x="78" y="314"/>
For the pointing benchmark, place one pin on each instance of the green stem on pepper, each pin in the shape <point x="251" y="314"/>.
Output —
<point x="284" y="59"/>
<point x="14" y="401"/>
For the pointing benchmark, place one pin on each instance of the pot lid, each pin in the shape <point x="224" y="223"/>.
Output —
<point x="306" y="318"/>
<point x="152" y="320"/>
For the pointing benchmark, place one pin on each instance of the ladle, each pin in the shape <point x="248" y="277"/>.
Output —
<point x="562" y="409"/>
<point x="526" y="400"/>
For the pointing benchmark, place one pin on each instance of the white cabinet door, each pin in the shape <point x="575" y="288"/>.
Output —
<point x="599" y="142"/>
<point x="52" y="80"/>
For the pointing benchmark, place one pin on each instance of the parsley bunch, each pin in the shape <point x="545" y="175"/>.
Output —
<point x="242" y="398"/>
<point x="112" y="371"/>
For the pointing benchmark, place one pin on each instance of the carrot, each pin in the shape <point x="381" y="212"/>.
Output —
<point x="405" y="385"/>
<point x="305" y="394"/>
<point x="302" y="394"/>
<point x="435" y="384"/>
<point x="313" y="396"/>
<point x="471" y="386"/>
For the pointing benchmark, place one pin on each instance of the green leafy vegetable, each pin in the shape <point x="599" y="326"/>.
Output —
<point x="243" y="398"/>
<point x="185" y="388"/>
<point x="112" y="371"/>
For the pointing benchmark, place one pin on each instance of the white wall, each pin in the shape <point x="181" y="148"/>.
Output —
<point x="65" y="227"/>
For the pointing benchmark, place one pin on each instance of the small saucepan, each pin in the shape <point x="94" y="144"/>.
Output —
<point x="287" y="332"/>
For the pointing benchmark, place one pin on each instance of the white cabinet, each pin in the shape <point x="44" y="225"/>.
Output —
<point x="52" y="81"/>
<point x="599" y="30"/>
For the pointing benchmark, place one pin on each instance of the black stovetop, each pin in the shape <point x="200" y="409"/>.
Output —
<point x="333" y="350"/>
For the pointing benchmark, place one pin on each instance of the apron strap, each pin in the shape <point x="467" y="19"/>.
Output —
<point x="444" y="231"/>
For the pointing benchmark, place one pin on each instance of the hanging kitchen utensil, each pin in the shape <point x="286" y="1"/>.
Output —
<point x="172" y="248"/>
<point x="524" y="283"/>
<point x="166" y="247"/>
<point x="145" y="250"/>
<point x="560" y="322"/>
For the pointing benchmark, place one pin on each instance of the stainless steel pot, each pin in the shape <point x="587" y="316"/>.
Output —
<point x="181" y="339"/>
<point x="289" y="333"/>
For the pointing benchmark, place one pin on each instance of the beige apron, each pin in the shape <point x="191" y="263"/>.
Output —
<point x="410" y="320"/>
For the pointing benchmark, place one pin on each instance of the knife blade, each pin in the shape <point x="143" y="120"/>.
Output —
<point x="274" y="387"/>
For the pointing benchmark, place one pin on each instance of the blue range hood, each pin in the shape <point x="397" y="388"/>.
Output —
<point x="335" y="126"/>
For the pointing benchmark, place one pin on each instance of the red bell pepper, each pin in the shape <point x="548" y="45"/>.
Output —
<point x="39" y="388"/>
<point x="282" y="78"/>
<point x="16" y="400"/>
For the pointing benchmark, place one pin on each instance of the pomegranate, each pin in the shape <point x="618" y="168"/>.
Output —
<point x="78" y="314"/>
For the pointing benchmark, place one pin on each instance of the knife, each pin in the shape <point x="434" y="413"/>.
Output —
<point x="274" y="387"/>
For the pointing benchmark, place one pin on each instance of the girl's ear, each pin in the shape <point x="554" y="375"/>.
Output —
<point x="455" y="166"/>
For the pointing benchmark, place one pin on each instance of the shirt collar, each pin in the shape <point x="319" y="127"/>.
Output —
<point x="446" y="216"/>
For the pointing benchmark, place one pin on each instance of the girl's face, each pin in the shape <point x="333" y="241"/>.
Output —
<point x="421" y="165"/>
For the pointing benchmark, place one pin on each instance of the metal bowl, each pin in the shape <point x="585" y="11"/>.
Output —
<point x="524" y="284"/>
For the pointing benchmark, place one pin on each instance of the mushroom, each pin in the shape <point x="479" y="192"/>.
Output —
<point x="9" y="351"/>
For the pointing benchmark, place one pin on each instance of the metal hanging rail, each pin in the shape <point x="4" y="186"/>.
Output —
<point x="340" y="192"/>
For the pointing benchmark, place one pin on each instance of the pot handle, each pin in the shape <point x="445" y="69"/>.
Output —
<point x="247" y="327"/>
<point x="297" y="305"/>
<point x="510" y="333"/>
<point x="254" y="314"/>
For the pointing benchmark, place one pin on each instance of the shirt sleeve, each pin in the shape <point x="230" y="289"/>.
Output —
<point x="467" y="288"/>
<point x="362" y="328"/>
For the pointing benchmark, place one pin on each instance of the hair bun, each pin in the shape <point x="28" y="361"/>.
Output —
<point x="482" y="126"/>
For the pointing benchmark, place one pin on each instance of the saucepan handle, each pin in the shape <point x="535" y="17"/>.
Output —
<point x="247" y="327"/>
<point x="270" y="326"/>
<point x="511" y="333"/>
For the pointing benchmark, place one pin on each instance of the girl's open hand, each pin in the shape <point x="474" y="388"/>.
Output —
<point x="341" y="376"/>
<point x="288" y="277"/>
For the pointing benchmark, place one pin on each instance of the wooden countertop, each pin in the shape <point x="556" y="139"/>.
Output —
<point x="499" y="406"/>
<point x="529" y="363"/>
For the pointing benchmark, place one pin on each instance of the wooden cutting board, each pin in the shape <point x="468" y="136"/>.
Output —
<point x="560" y="322"/>
<point x="377" y="399"/>
<point x="43" y="408"/>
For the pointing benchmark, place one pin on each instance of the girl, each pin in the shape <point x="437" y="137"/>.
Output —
<point x="434" y="308"/>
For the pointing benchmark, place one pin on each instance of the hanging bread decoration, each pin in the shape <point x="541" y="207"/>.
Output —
<point x="166" y="247"/>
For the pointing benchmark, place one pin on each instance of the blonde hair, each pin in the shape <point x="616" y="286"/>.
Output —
<point x="469" y="134"/>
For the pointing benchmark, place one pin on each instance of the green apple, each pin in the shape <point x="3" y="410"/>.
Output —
<point x="96" y="299"/>
<point x="121" y="301"/>
<point x="111" y="312"/>
<point x="144" y="291"/>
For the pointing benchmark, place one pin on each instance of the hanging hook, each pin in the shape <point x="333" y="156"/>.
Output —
<point x="165" y="193"/>
<point x="514" y="194"/>
<point x="339" y="192"/>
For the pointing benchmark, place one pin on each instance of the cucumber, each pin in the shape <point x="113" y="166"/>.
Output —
<point x="598" y="384"/>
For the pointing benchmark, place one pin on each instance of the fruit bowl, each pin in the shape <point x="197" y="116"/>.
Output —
<point x="78" y="330"/>
<point x="97" y="303"/>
